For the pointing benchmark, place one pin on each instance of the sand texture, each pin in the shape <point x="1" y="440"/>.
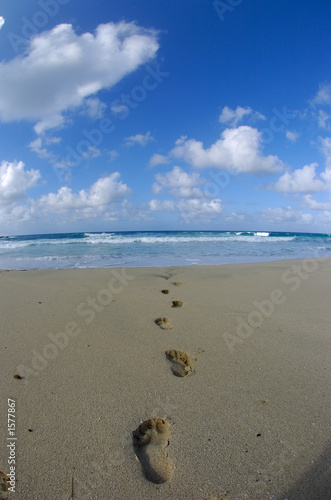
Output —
<point x="217" y="388"/>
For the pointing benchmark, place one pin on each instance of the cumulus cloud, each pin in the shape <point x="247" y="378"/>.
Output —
<point x="323" y="96"/>
<point x="162" y="206"/>
<point x="200" y="208"/>
<point x="305" y="180"/>
<point x="86" y="203"/>
<point x="94" y="108"/>
<point x="180" y="183"/>
<point x="2" y="21"/>
<point x="302" y="180"/>
<point x="189" y="209"/>
<point x="282" y="215"/>
<point x="105" y="199"/>
<point x="158" y="160"/>
<point x="316" y="205"/>
<point x="192" y="202"/>
<point x="234" y="116"/>
<point x="60" y="69"/>
<point x="141" y="139"/>
<point x="238" y="150"/>
<point x="15" y="180"/>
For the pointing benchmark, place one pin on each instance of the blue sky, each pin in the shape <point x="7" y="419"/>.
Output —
<point x="134" y="115"/>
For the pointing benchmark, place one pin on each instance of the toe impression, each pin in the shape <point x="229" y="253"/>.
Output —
<point x="182" y="364"/>
<point x="150" y="441"/>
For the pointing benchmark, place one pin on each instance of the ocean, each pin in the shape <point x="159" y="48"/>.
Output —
<point x="156" y="248"/>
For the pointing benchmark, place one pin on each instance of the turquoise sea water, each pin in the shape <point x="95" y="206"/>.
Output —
<point x="156" y="248"/>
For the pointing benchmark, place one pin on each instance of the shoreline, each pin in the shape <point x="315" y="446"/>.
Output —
<point x="251" y="419"/>
<point x="158" y="249"/>
<point x="258" y="262"/>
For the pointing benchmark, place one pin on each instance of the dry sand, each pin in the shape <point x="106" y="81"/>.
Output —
<point x="249" y="419"/>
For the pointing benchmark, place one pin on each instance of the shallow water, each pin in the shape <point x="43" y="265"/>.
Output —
<point x="156" y="248"/>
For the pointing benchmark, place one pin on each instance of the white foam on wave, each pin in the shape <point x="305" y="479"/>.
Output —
<point x="98" y="235"/>
<point x="33" y="243"/>
<point x="258" y="239"/>
<point x="31" y="258"/>
<point x="114" y="239"/>
<point x="122" y="240"/>
<point x="10" y="245"/>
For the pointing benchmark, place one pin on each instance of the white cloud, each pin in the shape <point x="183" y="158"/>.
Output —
<point x="199" y="208"/>
<point x="141" y="139"/>
<point x="113" y="155"/>
<point x="47" y="122"/>
<point x="60" y="69"/>
<point x="323" y="95"/>
<point x="238" y="150"/>
<point x="305" y="180"/>
<point x="105" y="199"/>
<point x="86" y="203"/>
<point x="11" y="215"/>
<point x="189" y="209"/>
<point x="158" y="160"/>
<point x="37" y="147"/>
<point x="118" y="109"/>
<point x="52" y="140"/>
<point x="301" y="180"/>
<point x="2" y="21"/>
<point x="192" y="201"/>
<point x="326" y="150"/>
<point x="283" y="215"/>
<point x="292" y="136"/>
<point x="323" y="119"/>
<point x="94" y="108"/>
<point x="316" y="205"/>
<point x="15" y="180"/>
<point x="234" y="116"/>
<point x="162" y="206"/>
<point x="64" y="164"/>
<point x="180" y="183"/>
<point x="92" y="152"/>
<point x="326" y="176"/>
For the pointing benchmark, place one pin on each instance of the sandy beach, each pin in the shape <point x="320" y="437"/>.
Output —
<point x="83" y="358"/>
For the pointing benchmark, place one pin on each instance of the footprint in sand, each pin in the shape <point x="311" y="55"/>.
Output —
<point x="165" y="291"/>
<point x="164" y="323"/>
<point x="182" y="363"/>
<point x="177" y="303"/>
<point x="177" y="283"/>
<point x="150" y="441"/>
